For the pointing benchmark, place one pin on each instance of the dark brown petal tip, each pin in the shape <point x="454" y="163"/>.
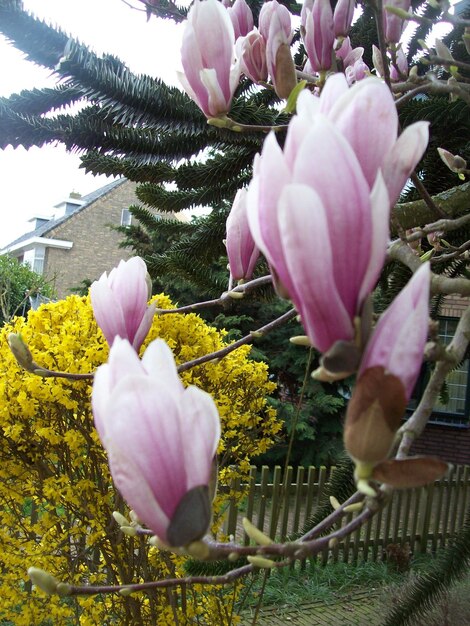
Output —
<point x="191" y="518"/>
<point x="343" y="356"/>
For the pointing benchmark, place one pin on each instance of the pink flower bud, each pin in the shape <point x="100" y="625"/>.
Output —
<point x="358" y="71"/>
<point x="241" y="249"/>
<point x="397" y="343"/>
<point x="208" y="57"/>
<point x="275" y="27"/>
<point x="242" y="18"/>
<point x="388" y="373"/>
<point x="160" y="438"/>
<point x="454" y="162"/>
<point x="342" y="17"/>
<point x="319" y="35"/>
<point x="119" y="302"/>
<point x="251" y="50"/>
<point x="377" y="61"/>
<point x="394" y="25"/>
<point x="400" y="70"/>
<point x="304" y="218"/>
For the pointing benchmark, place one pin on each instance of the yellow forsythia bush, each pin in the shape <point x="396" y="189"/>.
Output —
<point x="56" y="493"/>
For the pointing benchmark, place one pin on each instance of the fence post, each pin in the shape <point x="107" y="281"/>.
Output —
<point x="231" y="527"/>
<point x="425" y="519"/>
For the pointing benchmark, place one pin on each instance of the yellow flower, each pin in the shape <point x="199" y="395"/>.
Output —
<point x="56" y="492"/>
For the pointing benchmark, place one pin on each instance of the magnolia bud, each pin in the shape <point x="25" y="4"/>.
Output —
<point x="120" y="519"/>
<point x="43" y="580"/>
<point x="261" y="562"/>
<point x="443" y="51"/>
<point x="22" y="353"/>
<point x="454" y="162"/>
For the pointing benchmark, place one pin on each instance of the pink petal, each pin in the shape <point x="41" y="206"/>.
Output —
<point x="137" y="492"/>
<point x="367" y="117"/>
<point x="309" y="258"/>
<point x="107" y="310"/>
<point x="144" y="421"/>
<point x="159" y="363"/>
<point x="338" y="179"/>
<point x="398" y="341"/>
<point x="403" y="158"/>
<point x="200" y="435"/>
<point x="380" y="213"/>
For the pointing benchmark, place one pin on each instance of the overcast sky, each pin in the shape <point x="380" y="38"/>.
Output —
<point x="33" y="181"/>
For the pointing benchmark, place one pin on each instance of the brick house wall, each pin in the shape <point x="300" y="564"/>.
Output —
<point x="454" y="306"/>
<point x="95" y="245"/>
<point x="447" y="443"/>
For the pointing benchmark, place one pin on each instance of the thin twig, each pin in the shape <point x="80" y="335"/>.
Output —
<point x="244" y="289"/>
<point x="444" y="225"/>
<point x="451" y="255"/>
<point x="219" y="354"/>
<point x="377" y="7"/>
<point x="448" y="63"/>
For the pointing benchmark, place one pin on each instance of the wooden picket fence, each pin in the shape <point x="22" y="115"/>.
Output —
<point x="423" y="519"/>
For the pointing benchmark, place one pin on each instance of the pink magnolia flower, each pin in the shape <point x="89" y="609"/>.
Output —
<point x="275" y="28"/>
<point x="208" y="58"/>
<point x="318" y="33"/>
<point x="160" y="439"/>
<point x="319" y="208"/>
<point x="241" y="249"/>
<point x="119" y="302"/>
<point x="251" y="50"/>
<point x="242" y="18"/>
<point x="320" y="226"/>
<point x="387" y="375"/>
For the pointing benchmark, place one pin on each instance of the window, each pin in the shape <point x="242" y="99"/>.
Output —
<point x="126" y="217"/>
<point x="456" y="410"/>
<point x="35" y="259"/>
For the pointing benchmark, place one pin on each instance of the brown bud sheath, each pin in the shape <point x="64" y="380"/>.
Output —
<point x="285" y="79"/>
<point x="374" y="414"/>
<point x="414" y="472"/>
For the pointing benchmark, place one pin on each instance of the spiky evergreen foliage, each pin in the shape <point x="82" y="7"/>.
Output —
<point x="138" y="127"/>
<point x="424" y="592"/>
